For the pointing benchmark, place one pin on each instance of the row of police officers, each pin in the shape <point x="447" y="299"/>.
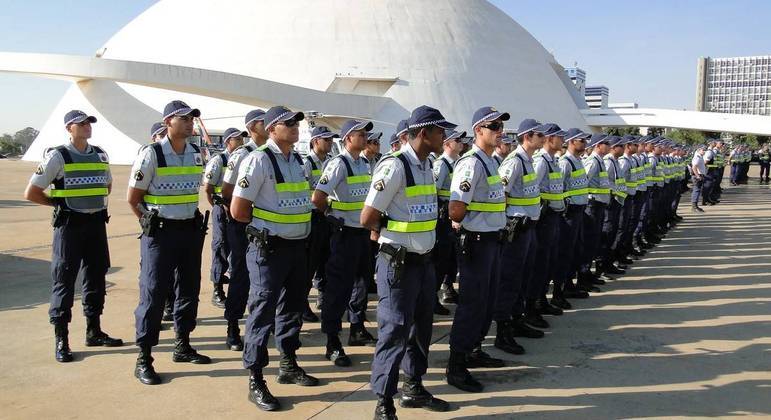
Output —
<point x="511" y="223"/>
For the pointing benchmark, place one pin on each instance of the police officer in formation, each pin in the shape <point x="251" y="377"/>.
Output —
<point x="220" y="250"/>
<point x="401" y="207"/>
<point x="78" y="175"/>
<point x="506" y="221"/>
<point x="272" y="195"/>
<point x="340" y="195"/>
<point x="163" y="194"/>
<point x="238" y="283"/>
<point x="445" y="251"/>
<point x="318" y="242"/>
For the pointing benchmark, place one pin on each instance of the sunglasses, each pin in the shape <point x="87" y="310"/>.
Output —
<point x="290" y="123"/>
<point x="494" y="126"/>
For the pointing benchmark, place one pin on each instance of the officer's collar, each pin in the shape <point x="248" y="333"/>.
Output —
<point x="316" y="157"/>
<point x="522" y="152"/>
<point x="448" y="157"/>
<point x="347" y="154"/>
<point x="168" y="150"/>
<point x="409" y="152"/>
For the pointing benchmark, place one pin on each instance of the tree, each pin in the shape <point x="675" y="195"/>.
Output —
<point x="655" y="131"/>
<point x="9" y="148"/>
<point x="25" y="137"/>
<point x="750" y="140"/>
<point x="622" y="131"/>
<point x="689" y="137"/>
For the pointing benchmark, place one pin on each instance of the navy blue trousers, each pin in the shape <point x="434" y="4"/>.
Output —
<point x="477" y="286"/>
<point x="78" y="248"/>
<point x="220" y="249"/>
<point x="517" y="258"/>
<point x="277" y="280"/>
<point x="610" y="228"/>
<point x="168" y="250"/>
<point x="594" y="217"/>
<point x="405" y="314"/>
<point x="569" y="254"/>
<point x="346" y="288"/>
<point x="238" y="287"/>
<point x="547" y="232"/>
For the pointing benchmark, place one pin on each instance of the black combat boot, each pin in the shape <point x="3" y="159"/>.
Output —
<point x="62" y="350"/>
<point x="144" y="370"/>
<point x="233" y="342"/>
<point x="96" y="337"/>
<point x="448" y="293"/>
<point x="385" y="410"/>
<point x="359" y="336"/>
<point x="335" y="352"/>
<point x="415" y="395"/>
<point x="459" y="376"/>
<point x="504" y="338"/>
<point x="183" y="353"/>
<point x="479" y="359"/>
<point x="289" y="372"/>
<point x="218" y="296"/>
<point x="259" y="393"/>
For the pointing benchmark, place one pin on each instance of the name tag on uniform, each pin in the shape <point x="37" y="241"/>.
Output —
<point x="198" y="159"/>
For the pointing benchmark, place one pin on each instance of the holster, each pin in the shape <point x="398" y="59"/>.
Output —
<point x="217" y="200"/>
<point x="395" y="256"/>
<point x="60" y="216"/>
<point x="150" y="223"/>
<point x="258" y="237"/>
<point x="336" y="224"/>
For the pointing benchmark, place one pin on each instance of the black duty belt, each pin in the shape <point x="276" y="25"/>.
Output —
<point x="483" y="236"/>
<point x="176" y="224"/>
<point x="413" y="258"/>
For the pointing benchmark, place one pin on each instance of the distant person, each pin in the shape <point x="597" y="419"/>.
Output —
<point x="80" y="180"/>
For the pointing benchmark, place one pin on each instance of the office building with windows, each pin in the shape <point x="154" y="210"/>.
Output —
<point x="734" y="85"/>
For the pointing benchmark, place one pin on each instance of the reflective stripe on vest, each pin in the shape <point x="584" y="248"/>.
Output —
<point x="179" y="175"/>
<point x="84" y="184"/>
<point x="415" y="192"/>
<point x="492" y="180"/>
<point x="290" y="189"/>
<point x="351" y="179"/>
<point x="533" y="198"/>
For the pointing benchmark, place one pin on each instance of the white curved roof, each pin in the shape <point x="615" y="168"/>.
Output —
<point x="456" y="55"/>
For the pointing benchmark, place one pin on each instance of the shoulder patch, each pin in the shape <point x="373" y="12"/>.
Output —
<point x="138" y="175"/>
<point x="505" y="180"/>
<point x="198" y="159"/>
<point x="465" y="186"/>
<point x="379" y="185"/>
<point x="209" y="175"/>
<point x="39" y="170"/>
<point x="231" y="165"/>
<point x="324" y="180"/>
<point x="243" y="183"/>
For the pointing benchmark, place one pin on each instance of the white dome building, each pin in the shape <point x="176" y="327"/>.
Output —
<point x="373" y="59"/>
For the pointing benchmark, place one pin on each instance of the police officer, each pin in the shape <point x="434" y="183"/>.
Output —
<point x="157" y="133"/>
<point x="372" y="152"/>
<point x="594" y="214"/>
<point x="764" y="159"/>
<point x="477" y="204"/>
<point x="576" y="199"/>
<point x="445" y="252"/>
<point x="163" y="193"/>
<point x="273" y="196"/>
<point x="402" y="208"/>
<point x="402" y="133"/>
<point x="340" y="194"/>
<point x="503" y="148"/>
<point x="516" y="296"/>
<point x="220" y="251"/>
<point x="610" y="248"/>
<point x="633" y="175"/>
<point x="551" y="186"/>
<point x="318" y="241"/>
<point x="238" y="288"/>
<point x="80" y="180"/>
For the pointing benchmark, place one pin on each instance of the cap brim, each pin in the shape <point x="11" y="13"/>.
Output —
<point x="446" y="125"/>
<point x="158" y="131"/>
<point x="78" y="120"/>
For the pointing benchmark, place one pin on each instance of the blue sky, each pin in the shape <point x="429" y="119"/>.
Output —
<point x="643" y="51"/>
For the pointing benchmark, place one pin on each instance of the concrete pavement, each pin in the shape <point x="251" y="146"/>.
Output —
<point x="687" y="332"/>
